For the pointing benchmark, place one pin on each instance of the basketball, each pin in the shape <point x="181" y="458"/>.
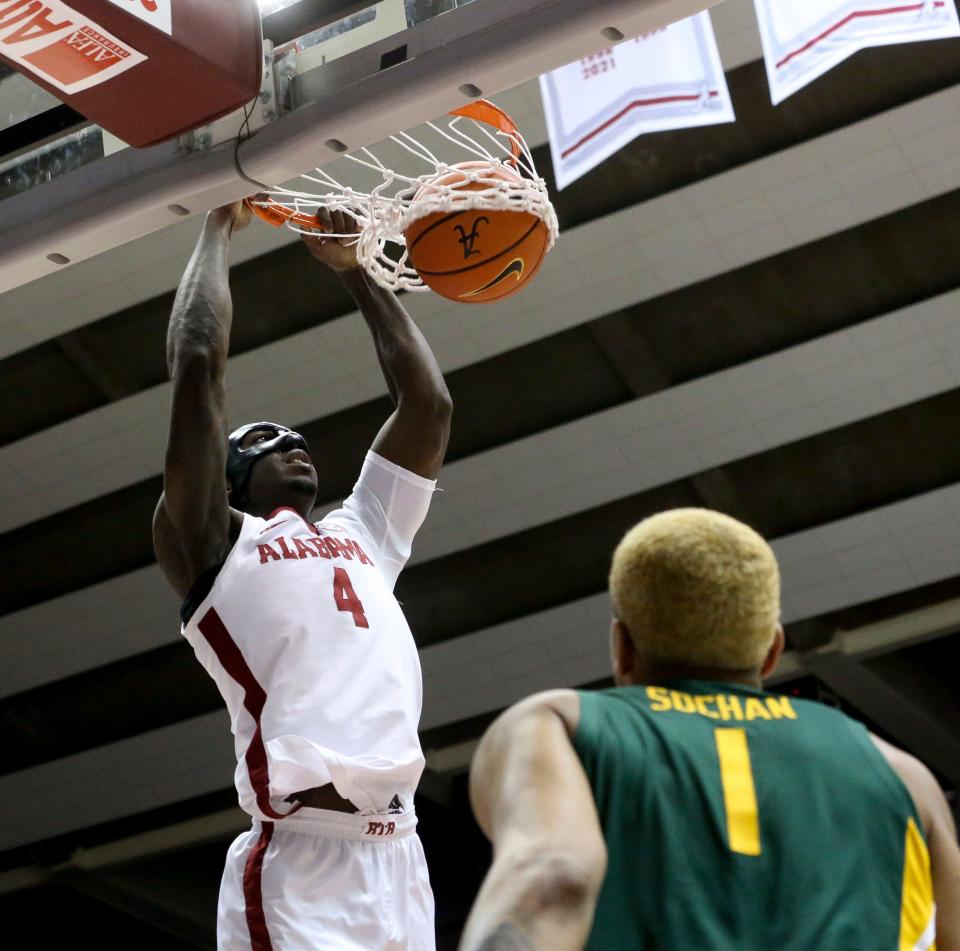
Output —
<point x="476" y="256"/>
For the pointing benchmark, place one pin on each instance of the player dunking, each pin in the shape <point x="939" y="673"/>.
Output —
<point x="727" y="818"/>
<point x="297" y="623"/>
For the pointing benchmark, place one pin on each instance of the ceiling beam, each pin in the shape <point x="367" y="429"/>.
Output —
<point x="890" y="709"/>
<point x="214" y="827"/>
<point x="140" y="905"/>
<point x="171" y="838"/>
<point x="307" y="16"/>
<point x="93" y="364"/>
<point x="454" y="752"/>
<point x="903" y="630"/>
<point x="621" y="340"/>
<point x="436" y="787"/>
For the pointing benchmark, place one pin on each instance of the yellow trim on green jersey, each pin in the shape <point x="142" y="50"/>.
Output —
<point x="917" y="911"/>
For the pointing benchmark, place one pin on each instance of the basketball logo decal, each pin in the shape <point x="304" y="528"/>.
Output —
<point x="515" y="267"/>
<point x="469" y="239"/>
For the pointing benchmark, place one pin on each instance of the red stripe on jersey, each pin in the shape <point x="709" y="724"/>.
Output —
<point x="253" y="891"/>
<point x="254" y="698"/>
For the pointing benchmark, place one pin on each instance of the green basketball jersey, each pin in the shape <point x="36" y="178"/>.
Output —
<point x="739" y="819"/>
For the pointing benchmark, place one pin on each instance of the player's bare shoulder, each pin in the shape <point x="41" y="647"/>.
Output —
<point x="920" y="782"/>
<point x="565" y="703"/>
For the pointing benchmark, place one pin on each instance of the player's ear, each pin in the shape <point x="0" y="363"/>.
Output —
<point x="773" y="655"/>
<point x="623" y="655"/>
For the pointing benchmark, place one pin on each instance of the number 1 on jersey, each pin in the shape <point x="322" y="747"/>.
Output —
<point x="346" y="598"/>
<point x="739" y="794"/>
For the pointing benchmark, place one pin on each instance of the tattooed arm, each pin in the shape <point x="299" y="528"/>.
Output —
<point x="532" y="799"/>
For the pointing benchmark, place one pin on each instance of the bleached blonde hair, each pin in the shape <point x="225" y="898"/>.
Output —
<point x="698" y="588"/>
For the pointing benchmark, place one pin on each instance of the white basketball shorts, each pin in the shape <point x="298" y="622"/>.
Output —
<point x="327" y="881"/>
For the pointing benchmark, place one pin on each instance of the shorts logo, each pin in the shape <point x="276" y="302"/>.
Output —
<point x="380" y="828"/>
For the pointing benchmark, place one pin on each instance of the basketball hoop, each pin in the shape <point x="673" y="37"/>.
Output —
<point x="496" y="173"/>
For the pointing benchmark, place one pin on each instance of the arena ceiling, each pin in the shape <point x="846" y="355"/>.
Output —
<point x="762" y="318"/>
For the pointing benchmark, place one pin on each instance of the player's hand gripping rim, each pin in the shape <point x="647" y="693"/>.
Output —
<point x="335" y="241"/>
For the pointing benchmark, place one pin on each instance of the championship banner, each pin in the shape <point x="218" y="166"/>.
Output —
<point x="803" y="40"/>
<point x="668" y="79"/>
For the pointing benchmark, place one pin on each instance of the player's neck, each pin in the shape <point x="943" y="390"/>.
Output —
<point x="299" y="505"/>
<point x="663" y="673"/>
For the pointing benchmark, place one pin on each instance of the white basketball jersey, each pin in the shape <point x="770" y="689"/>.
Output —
<point x="312" y="654"/>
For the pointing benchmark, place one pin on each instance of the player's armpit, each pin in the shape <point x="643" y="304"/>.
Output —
<point x="168" y="552"/>
<point x="532" y="798"/>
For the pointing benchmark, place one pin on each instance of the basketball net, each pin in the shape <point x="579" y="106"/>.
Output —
<point x="386" y="210"/>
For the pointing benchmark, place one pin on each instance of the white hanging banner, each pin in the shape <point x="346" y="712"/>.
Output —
<point x="803" y="39"/>
<point x="669" y="79"/>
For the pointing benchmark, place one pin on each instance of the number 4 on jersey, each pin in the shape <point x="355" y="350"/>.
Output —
<point x="346" y="598"/>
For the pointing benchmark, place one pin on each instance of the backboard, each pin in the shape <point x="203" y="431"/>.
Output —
<point x="338" y="75"/>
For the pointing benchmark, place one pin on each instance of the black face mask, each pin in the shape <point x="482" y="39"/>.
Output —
<point x="240" y="461"/>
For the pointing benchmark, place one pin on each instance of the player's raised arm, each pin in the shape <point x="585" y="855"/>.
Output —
<point x="415" y="436"/>
<point x="191" y="526"/>
<point x="532" y="799"/>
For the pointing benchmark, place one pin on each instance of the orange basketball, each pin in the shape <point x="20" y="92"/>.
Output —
<point x="477" y="256"/>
